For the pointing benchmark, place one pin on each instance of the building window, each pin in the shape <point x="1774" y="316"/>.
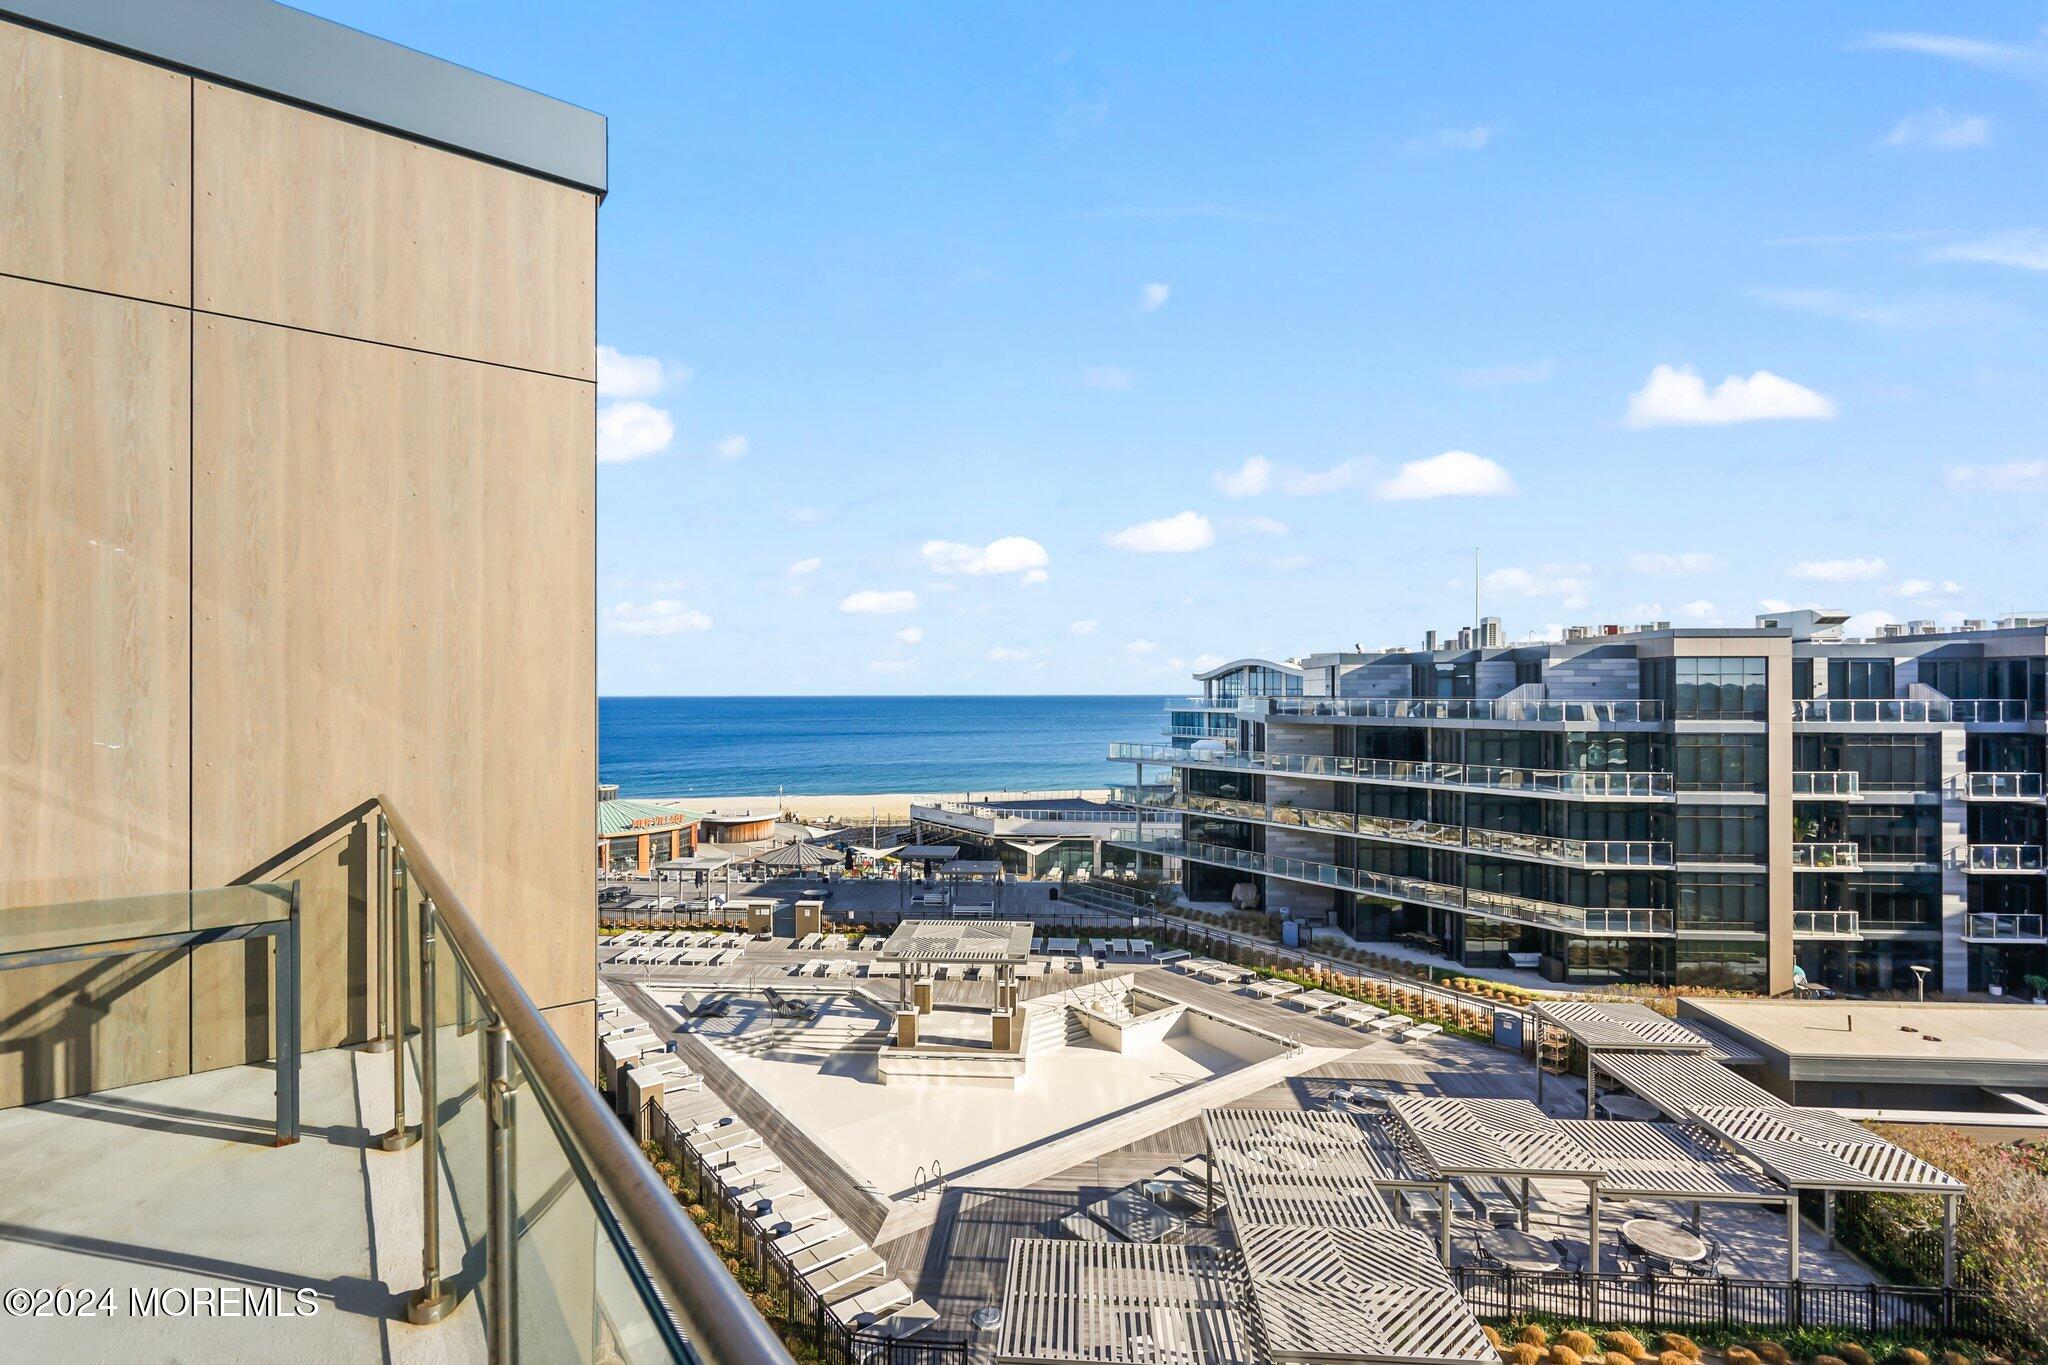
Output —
<point x="1727" y="901"/>
<point x="1719" y="763"/>
<point x="1860" y="679"/>
<point x="1722" y="964"/>
<point x="1718" y="689"/>
<point x="1721" y="834"/>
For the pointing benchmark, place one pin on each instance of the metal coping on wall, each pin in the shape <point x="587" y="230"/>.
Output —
<point x="274" y="50"/>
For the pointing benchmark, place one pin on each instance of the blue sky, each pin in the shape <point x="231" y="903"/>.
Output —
<point x="1067" y="348"/>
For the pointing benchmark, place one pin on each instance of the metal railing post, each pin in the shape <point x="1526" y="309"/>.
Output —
<point x="402" y="1135"/>
<point x="385" y="946"/>
<point x="503" y="1253"/>
<point x="435" y="1297"/>
<point x="285" y="969"/>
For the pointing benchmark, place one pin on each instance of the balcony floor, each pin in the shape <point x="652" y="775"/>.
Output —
<point x="174" y="1185"/>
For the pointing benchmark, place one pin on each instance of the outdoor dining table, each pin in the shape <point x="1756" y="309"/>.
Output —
<point x="1629" y="1107"/>
<point x="1665" y="1241"/>
<point x="1517" y="1250"/>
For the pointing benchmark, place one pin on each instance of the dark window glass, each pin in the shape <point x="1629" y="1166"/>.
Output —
<point x="1719" y="763"/>
<point x="1718" y="689"/>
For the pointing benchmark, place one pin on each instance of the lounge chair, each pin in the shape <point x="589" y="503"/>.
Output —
<point x="907" y="1321"/>
<point x="870" y="1304"/>
<point x="808" y="1235"/>
<point x="845" y="1271"/>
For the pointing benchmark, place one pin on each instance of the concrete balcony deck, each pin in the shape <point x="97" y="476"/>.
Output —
<point x="174" y="1187"/>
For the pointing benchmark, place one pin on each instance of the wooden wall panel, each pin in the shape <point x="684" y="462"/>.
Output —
<point x="95" y="168"/>
<point x="311" y="222"/>
<point x="94" y="541"/>
<point x="393" y="591"/>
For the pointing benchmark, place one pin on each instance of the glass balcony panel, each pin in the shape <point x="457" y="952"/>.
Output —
<point x="2004" y="858"/>
<point x="31" y="928"/>
<point x="1831" y="785"/>
<point x="2005" y="786"/>
<point x="459" y="1099"/>
<point x="1824" y="857"/>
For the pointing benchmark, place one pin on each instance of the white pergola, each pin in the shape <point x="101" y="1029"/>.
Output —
<point x="1124" y="1303"/>
<point x="1600" y="1026"/>
<point x="1682" y="1084"/>
<point x="1818" y="1149"/>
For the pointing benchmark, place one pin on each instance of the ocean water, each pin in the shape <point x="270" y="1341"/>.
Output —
<point x="720" y="746"/>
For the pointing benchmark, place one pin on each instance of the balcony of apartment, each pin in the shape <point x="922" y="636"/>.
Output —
<point x="2015" y="929"/>
<point x="1542" y="848"/>
<point x="2020" y="786"/>
<point x="1834" y="857"/>
<point x="1072" y="819"/>
<point x="453" y="1189"/>
<point x="1827" y="786"/>
<point x="1500" y="711"/>
<point x="1539" y="914"/>
<point x="2001" y="858"/>
<point x="1565" y="784"/>
<point x="1826" y="924"/>
<point x="1822" y="713"/>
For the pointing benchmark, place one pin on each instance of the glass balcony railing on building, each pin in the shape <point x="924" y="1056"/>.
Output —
<point x="2020" y="786"/>
<point x="1500" y="710"/>
<point x="1908" y="711"/>
<point x="1829" y="786"/>
<point x="1572" y="919"/>
<point x="1588" y="784"/>
<point x="2002" y="858"/>
<point x="1825" y="924"/>
<point x="1824" y="857"/>
<point x="2003" y="928"/>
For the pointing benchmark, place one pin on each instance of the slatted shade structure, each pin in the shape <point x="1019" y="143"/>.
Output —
<point x="1350" y="1293"/>
<point x="1286" y="1166"/>
<point x="1163" y="1304"/>
<point x="1818" y="1149"/>
<point x="799" y="857"/>
<point x="1683" y="1084"/>
<point x="958" y="941"/>
<point x="1610" y="1027"/>
<point x="1666" y="1161"/>
<point x="1491" y="1137"/>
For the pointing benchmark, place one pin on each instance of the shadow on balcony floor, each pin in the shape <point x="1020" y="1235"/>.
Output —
<point x="174" y="1187"/>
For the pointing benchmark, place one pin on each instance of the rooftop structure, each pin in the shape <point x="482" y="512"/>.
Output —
<point x="978" y="941"/>
<point x="1745" y="808"/>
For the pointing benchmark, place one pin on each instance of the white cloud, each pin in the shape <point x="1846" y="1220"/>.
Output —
<point x="662" y="616"/>
<point x="802" y="516"/>
<point x="1178" y="534"/>
<point x="1141" y="647"/>
<point x="1512" y="372"/>
<point x="1854" y="570"/>
<point x="1677" y="396"/>
<point x="1108" y="377"/>
<point x="804" y="566"/>
<point x="2020" y="248"/>
<point x="1691" y="561"/>
<point x="1471" y="139"/>
<point x="1082" y="628"/>
<point x="1922" y="587"/>
<point x="878" y="602"/>
<point x="1937" y="129"/>
<point x="2012" y="59"/>
<point x="731" y="447"/>
<point x="632" y="430"/>
<point x="1003" y="654"/>
<point x="1248" y="480"/>
<point x="1773" y="604"/>
<point x="911" y="635"/>
<point x="635" y="376"/>
<point x="2014" y="476"/>
<point x="891" y="665"/>
<point x="1313" y="483"/>
<point x="1864" y="624"/>
<point x="1700" y="613"/>
<point x="1266" y="526"/>
<point x="1565" y="582"/>
<point x="1453" y="474"/>
<point x="1033" y="578"/>
<point x="1008" y="555"/>
<point x="1153" y="297"/>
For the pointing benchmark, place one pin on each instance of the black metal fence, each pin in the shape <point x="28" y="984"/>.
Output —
<point x="800" y="1313"/>
<point x="1701" y="1301"/>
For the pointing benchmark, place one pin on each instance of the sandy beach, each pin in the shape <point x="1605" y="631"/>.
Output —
<point x="883" y="806"/>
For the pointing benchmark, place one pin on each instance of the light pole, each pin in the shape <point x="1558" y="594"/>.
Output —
<point x="1920" y="980"/>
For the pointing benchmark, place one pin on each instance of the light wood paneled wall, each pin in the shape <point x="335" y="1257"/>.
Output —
<point x="311" y="222"/>
<point x="95" y="168"/>
<point x="392" y="584"/>
<point x="382" y="559"/>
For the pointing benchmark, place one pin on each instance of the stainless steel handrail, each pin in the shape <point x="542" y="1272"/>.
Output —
<point x="714" y="1313"/>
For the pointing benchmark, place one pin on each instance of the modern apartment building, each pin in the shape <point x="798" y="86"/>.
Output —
<point x="298" y="712"/>
<point x="1724" y="807"/>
